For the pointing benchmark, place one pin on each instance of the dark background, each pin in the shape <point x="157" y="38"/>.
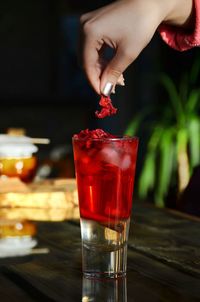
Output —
<point x="42" y="87"/>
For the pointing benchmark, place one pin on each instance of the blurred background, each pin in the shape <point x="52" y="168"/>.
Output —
<point x="44" y="91"/>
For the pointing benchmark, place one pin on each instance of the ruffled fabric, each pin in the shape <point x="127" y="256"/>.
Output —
<point x="179" y="39"/>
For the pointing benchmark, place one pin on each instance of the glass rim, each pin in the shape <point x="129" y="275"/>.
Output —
<point x="116" y="138"/>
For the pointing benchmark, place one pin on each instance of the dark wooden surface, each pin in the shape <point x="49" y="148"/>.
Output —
<point x="163" y="264"/>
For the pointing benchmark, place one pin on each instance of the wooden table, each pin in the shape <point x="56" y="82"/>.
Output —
<point x="163" y="263"/>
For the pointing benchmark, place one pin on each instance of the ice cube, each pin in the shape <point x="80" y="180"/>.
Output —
<point x="126" y="162"/>
<point x="110" y="156"/>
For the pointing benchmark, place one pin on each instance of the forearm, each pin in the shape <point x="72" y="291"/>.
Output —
<point x="180" y="14"/>
<point x="181" y="30"/>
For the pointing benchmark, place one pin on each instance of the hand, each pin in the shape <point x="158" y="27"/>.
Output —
<point x="127" y="26"/>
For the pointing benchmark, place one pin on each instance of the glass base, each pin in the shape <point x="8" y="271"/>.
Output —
<point x="104" y="248"/>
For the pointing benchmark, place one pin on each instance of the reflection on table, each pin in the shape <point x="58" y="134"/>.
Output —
<point x="110" y="290"/>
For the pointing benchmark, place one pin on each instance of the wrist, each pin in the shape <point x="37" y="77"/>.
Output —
<point x="179" y="13"/>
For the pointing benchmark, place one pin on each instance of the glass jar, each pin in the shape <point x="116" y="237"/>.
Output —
<point x="17" y="157"/>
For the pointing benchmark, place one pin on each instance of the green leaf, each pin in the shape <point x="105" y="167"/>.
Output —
<point x="194" y="140"/>
<point x="147" y="177"/>
<point x="167" y="155"/>
<point x="174" y="98"/>
<point x="148" y="174"/>
<point x="135" y="123"/>
<point x="182" y="158"/>
<point x="155" y="137"/>
<point x="193" y="101"/>
<point x="183" y="89"/>
<point x="182" y="140"/>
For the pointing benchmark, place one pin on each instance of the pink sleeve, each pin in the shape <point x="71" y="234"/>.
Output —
<point x="180" y="39"/>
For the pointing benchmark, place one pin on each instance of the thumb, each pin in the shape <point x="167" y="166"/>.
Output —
<point x="114" y="69"/>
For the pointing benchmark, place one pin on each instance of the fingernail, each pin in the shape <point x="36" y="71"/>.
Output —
<point x="108" y="89"/>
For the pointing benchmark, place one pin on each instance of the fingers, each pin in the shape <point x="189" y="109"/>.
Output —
<point x="91" y="65"/>
<point x="102" y="75"/>
<point x="102" y="65"/>
<point x="112" y="74"/>
<point x="90" y="56"/>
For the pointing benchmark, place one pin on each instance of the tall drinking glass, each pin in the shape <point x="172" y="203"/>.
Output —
<point x="105" y="169"/>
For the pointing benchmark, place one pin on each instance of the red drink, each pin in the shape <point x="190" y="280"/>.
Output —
<point x="105" y="171"/>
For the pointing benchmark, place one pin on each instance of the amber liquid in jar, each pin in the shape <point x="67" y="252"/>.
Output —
<point x="21" y="167"/>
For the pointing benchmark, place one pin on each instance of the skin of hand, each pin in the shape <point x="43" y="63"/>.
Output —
<point x="126" y="26"/>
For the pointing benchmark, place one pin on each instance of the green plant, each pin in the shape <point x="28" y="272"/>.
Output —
<point x="173" y="147"/>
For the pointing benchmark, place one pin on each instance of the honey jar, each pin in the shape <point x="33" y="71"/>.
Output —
<point x="17" y="157"/>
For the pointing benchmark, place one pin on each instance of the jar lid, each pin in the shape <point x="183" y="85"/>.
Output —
<point x="16" y="146"/>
